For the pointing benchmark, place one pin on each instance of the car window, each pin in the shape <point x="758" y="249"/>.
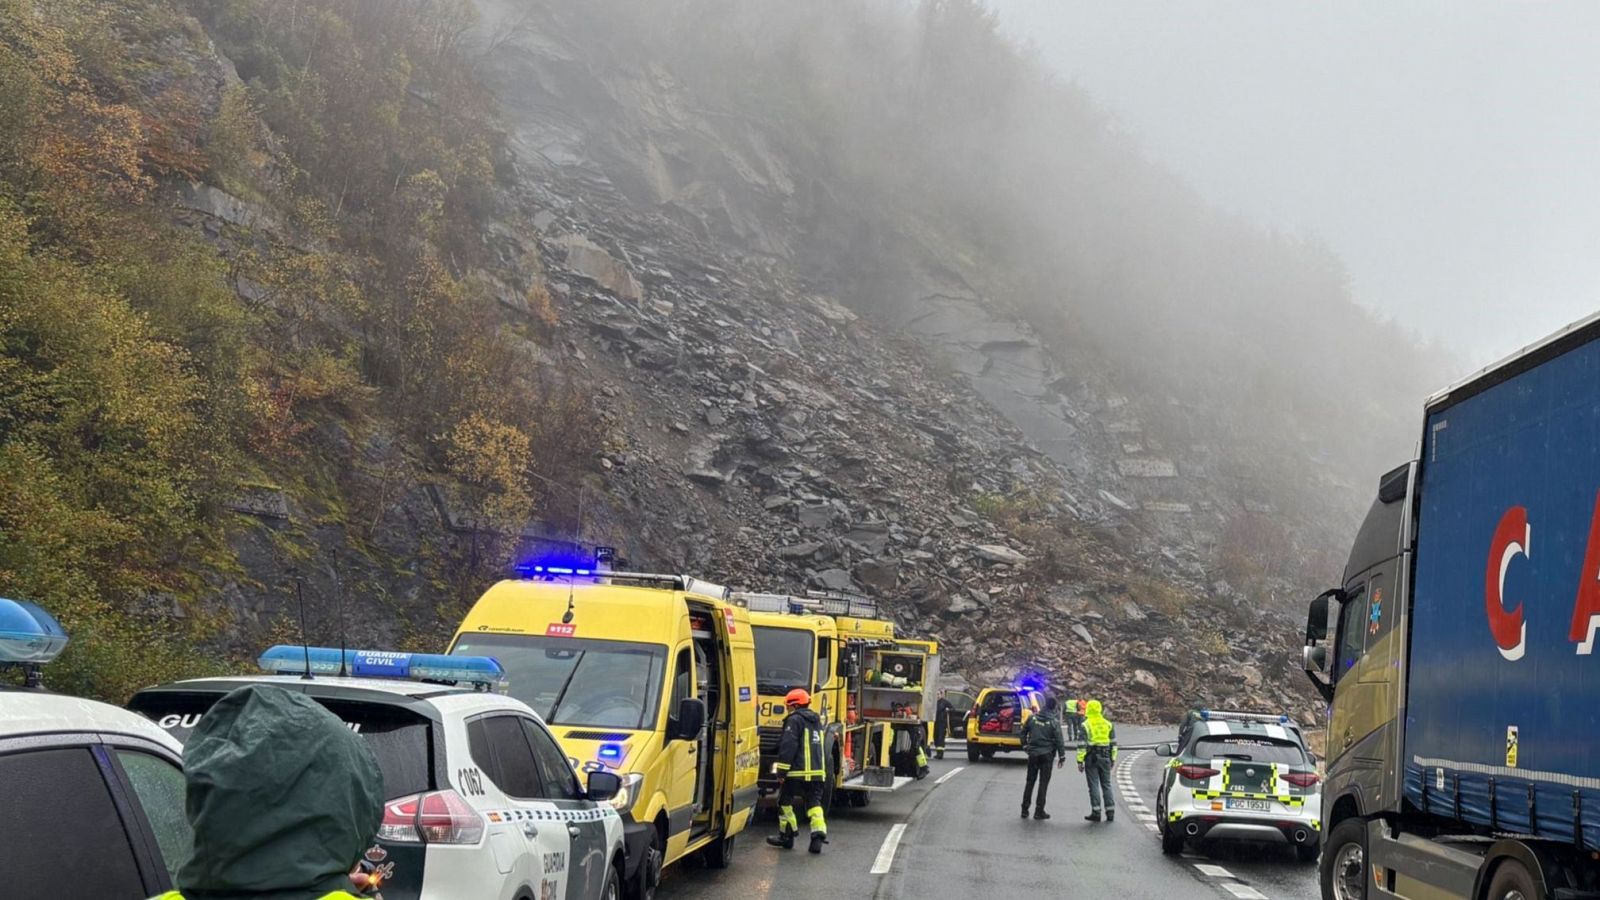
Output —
<point x="401" y="740"/>
<point x="159" y="786"/>
<point x="514" y="770"/>
<point x="682" y="680"/>
<point x="560" y="782"/>
<point x="60" y="831"/>
<point x="1249" y="749"/>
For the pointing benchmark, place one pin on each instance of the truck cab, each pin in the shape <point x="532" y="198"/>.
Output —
<point x="1455" y="652"/>
<point x="651" y="677"/>
<point x="835" y="647"/>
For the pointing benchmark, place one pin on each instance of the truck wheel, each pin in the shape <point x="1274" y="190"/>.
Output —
<point x="972" y="753"/>
<point x="719" y="853"/>
<point x="988" y="754"/>
<point x="1344" y="865"/>
<point x="1512" y="882"/>
<point x="860" y="799"/>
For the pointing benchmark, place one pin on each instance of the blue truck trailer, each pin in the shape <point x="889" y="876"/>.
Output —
<point x="1458" y="651"/>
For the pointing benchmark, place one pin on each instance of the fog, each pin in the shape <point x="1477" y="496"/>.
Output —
<point x="1448" y="152"/>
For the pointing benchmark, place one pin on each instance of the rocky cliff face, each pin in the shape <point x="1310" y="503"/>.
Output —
<point x="799" y="390"/>
<point x="804" y="400"/>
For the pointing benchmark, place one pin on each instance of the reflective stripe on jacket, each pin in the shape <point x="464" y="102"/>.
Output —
<point x="335" y="895"/>
<point x="800" y="749"/>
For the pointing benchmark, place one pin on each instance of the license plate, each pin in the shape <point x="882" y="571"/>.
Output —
<point x="1254" y="805"/>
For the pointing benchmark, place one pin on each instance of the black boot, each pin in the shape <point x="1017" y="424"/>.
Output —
<point x="818" y="838"/>
<point x="1111" y="815"/>
<point x="1092" y="817"/>
<point x="1040" y="814"/>
<point x="783" y="839"/>
<point x="1024" y="810"/>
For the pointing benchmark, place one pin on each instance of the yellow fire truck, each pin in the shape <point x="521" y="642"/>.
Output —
<point x="648" y="676"/>
<point x="867" y="686"/>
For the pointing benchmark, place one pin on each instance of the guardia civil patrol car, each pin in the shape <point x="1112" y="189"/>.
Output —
<point x="481" y="802"/>
<point x="93" y="794"/>
<point x="1242" y="777"/>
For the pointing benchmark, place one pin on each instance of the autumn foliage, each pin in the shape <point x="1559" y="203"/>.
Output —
<point x="147" y="370"/>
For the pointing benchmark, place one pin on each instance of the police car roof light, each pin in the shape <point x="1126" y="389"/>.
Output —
<point x="481" y="671"/>
<point x="29" y="636"/>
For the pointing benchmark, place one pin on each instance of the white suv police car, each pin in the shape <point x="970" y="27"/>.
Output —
<point x="93" y="793"/>
<point x="1244" y="777"/>
<point x="481" y="803"/>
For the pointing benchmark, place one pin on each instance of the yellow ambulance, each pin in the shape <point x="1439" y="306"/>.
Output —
<point x="648" y="676"/>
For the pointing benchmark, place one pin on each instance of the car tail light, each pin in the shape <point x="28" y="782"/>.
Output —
<point x="1302" y="779"/>
<point x="438" y="817"/>
<point x="1197" y="773"/>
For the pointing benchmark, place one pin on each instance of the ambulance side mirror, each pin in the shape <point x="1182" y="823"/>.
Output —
<point x="690" y="720"/>
<point x="1166" y="750"/>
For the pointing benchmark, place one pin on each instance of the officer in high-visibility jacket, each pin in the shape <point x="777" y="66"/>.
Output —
<point x="802" y="772"/>
<point x="1096" y="757"/>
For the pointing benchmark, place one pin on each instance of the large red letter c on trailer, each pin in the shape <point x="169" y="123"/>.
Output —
<point x="1511" y="537"/>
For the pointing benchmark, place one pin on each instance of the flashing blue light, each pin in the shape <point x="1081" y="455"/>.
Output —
<point x="1205" y="714"/>
<point x="1284" y="719"/>
<point x="611" y="752"/>
<point x="289" y="659"/>
<point x="568" y="563"/>
<point x="28" y="634"/>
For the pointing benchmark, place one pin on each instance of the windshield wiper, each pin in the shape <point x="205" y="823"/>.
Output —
<point x="565" y="683"/>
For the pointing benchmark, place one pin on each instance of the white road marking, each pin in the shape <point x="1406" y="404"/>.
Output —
<point x="1213" y="871"/>
<point x="1243" y="891"/>
<point x="1152" y="827"/>
<point x="948" y="775"/>
<point x="880" y="866"/>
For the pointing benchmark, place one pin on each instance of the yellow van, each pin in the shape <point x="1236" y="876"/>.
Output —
<point x="994" y="723"/>
<point x="648" y="676"/>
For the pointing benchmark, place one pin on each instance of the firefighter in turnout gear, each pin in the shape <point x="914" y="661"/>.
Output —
<point x="1095" y="758"/>
<point x="802" y="770"/>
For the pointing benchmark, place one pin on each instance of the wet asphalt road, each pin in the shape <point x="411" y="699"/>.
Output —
<point x="962" y="840"/>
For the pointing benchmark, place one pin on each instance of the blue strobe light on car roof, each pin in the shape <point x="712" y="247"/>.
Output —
<point x="28" y="635"/>
<point x="289" y="659"/>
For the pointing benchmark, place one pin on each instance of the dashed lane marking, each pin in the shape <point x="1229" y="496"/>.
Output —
<point x="1213" y="871"/>
<point x="947" y="776"/>
<point x="1243" y="891"/>
<point x="880" y="866"/>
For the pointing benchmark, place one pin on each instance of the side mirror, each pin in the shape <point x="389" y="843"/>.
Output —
<point x="1317" y="615"/>
<point x="1166" y="750"/>
<point x="603" y="786"/>
<point x="689" y="722"/>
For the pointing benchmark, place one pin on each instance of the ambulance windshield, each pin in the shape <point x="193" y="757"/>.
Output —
<point x="577" y="681"/>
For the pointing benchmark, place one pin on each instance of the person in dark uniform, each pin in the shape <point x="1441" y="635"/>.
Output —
<point x="802" y="772"/>
<point x="941" y="724"/>
<point x="1041" y="739"/>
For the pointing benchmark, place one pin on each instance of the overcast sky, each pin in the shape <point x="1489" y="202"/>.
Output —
<point x="1448" y="151"/>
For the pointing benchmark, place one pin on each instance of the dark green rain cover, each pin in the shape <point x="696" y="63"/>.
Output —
<point x="283" y="798"/>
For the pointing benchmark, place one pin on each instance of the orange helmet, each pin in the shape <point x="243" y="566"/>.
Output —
<point x="798" y="697"/>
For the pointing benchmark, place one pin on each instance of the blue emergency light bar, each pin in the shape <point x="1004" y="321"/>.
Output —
<point x="29" y="636"/>
<point x="289" y="659"/>
<point x="1282" y="718"/>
